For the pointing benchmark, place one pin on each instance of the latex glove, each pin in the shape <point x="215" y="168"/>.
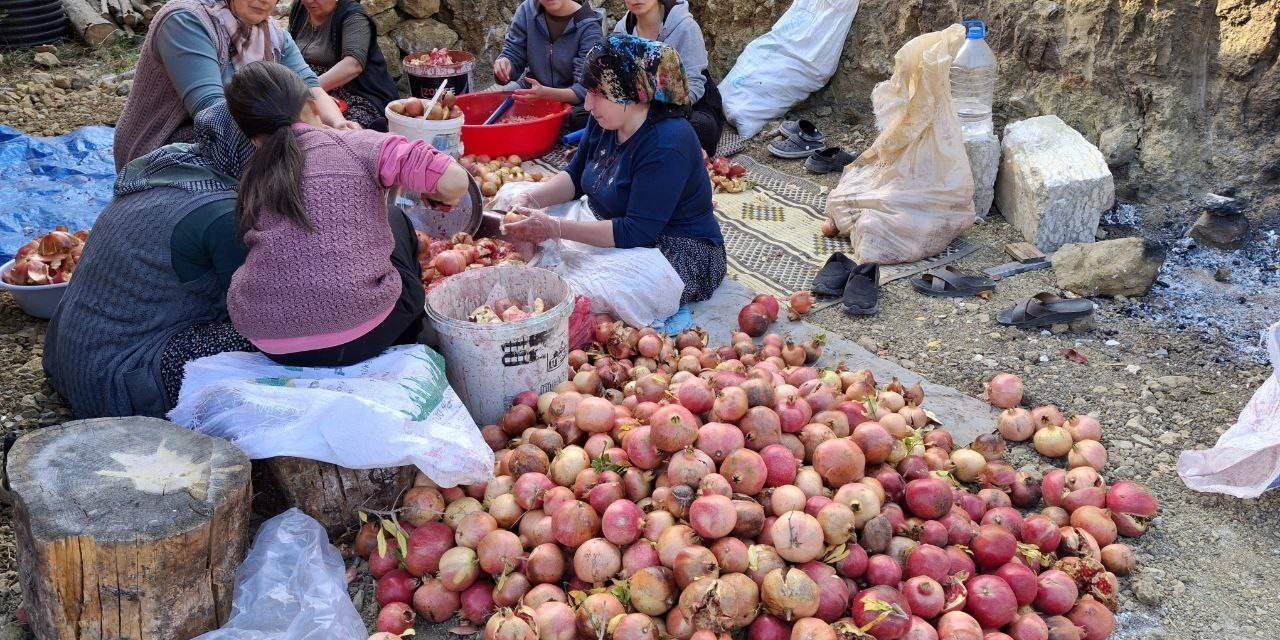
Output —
<point x="538" y="227"/>
<point x="523" y="200"/>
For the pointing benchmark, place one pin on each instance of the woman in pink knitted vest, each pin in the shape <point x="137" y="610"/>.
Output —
<point x="331" y="278"/>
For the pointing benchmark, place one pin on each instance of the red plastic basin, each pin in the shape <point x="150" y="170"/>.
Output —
<point x="529" y="139"/>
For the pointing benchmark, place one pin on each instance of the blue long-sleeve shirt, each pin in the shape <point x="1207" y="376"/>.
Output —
<point x="191" y="59"/>
<point x="654" y="184"/>
<point x="557" y="64"/>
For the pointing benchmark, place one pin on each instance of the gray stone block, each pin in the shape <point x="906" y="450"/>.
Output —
<point x="1053" y="184"/>
<point x="984" y="162"/>
<point x="1121" y="267"/>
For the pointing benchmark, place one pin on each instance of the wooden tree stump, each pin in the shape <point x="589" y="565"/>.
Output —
<point x="332" y="494"/>
<point x="127" y="528"/>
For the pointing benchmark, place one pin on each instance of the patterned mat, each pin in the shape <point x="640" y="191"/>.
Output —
<point x="773" y="233"/>
<point x="773" y="230"/>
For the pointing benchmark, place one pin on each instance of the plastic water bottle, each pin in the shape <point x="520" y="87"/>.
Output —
<point x="973" y="81"/>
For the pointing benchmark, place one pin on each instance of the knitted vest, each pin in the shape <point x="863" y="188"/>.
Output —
<point x="154" y="109"/>
<point x="102" y="349"/>
<point x="297" y="283"/>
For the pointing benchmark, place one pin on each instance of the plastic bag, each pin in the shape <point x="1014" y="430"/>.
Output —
<point x="782" y="67"/>
<point x="1246" y="459"/>
<point x="911" y="193"/>
<point x="637" y="286"/>
<point x="291" y="586"/>
<point x="393" y="410"/>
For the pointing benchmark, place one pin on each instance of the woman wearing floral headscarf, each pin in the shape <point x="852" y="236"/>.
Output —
<point x="640" y="167"/>
<point x="191" y="50"/>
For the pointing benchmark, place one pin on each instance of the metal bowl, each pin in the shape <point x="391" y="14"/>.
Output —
<point x="466" y="216"/>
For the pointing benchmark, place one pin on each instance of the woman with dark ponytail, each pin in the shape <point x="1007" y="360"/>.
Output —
<point x="331" y="278"/>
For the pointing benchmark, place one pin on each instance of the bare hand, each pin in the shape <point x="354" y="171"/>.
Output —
<point x="347" y="125"/>
<point x="536" y="90"/>
<point x="502" y="70"/>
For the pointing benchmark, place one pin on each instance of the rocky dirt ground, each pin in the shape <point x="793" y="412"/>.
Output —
<point x="1161" y="379"/>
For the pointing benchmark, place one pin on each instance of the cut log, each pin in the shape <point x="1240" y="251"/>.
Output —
<point x="89" y="27"/>
<point x="127" y="528"/>
<point x="332" y="494"/>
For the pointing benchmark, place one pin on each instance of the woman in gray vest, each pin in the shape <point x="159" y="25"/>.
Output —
<point x="149" y="292"/>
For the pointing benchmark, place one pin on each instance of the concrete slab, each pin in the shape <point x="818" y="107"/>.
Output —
<point x="964" y="416"/>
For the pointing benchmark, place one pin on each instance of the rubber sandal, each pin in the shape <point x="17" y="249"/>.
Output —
<point x="833" y="276"/>
<point x="828" y="160"/>
<point x="949" y="282"/>
<point x="794" y="148"/>
<point x="1045" y="309"/>
<point x="794" y="128"/>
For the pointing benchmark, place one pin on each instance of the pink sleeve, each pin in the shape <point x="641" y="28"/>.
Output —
<point x="413" y="165"/>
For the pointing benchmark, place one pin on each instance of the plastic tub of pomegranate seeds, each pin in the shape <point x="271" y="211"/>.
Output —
<point x="528" y="129"/>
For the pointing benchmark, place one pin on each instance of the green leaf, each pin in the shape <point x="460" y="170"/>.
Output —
<point x="382" y="543"/>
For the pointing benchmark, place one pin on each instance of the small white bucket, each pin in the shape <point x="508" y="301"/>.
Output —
<point x="445" y="135"/>
<point x="488" y="364"/>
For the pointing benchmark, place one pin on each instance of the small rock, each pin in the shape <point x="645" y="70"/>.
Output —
<point x="41" y="78"/>
<point x="45" y="48"/>
<point x="1132" y="368"/>
<point x="1112" y="343"/>
<point x="47" y="60"/>
<point x="868" y="344"/>
<point x="1146" y="591"/>
<point x="1045" y="9"/>
<point x="907" y="364"/>
<point x="1223" y="274"/>
<point x="1126" y="266"/>
<point x="124" y="88"/>
<point x="62" y="82"/>
<point x="1168" y="437"/>
<point x="1100" y="234"/>
<point x="824" y="112"/>
<point x="81" y="80"/>
<point x="1217" y="205"/>
<point x="1220" y="232"/>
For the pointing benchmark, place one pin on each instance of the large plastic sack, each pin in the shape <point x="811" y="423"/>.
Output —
<point x="291" y="586"/>
<point x="1246" y="459"/>
<point x="393" y="410"/>
<point x="51" y="181"/>
<point x="782" y="67"/>
<point x="637" y="286"/>
<point x="911" y="193"/>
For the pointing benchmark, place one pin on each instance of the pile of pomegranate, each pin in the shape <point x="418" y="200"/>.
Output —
<point x="672" y="489"/>
<point x="507" y="310"/>
<point x="435" y="57"/>
<point x="47" y="259"/>
<point x="492" y="173"/>
<point x="440" y="258"/>
<point x="726" y="175"/>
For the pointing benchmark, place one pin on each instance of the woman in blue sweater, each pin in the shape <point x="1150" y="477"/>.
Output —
<point x="640" y="167"/>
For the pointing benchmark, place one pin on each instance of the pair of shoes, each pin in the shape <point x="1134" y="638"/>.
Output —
<point x="800" y="139"/>
<point x="829" y="160"/>
<point x="856" y="284"/>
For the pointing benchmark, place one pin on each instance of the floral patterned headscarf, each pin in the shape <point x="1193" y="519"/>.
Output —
<point x="627" y="70"/>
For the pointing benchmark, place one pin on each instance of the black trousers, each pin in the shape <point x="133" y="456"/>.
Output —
<point x="402" y="326"/>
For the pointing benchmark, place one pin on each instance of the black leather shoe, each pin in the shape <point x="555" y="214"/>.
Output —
<point x="861" y="292"/>
<point x="833" y="276"/>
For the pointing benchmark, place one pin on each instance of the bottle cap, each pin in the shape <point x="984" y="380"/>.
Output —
<point x="976" y="29"/>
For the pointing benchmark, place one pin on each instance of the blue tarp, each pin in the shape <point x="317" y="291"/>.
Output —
<point x="45" y="182"/>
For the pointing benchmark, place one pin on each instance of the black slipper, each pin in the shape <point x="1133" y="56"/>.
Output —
<point x="949" y="282"/>
<point x="1045" y="309"/>
<point x="829" y="160"/>
<point x="861" y="293"/>
<point x="833" y="276"/>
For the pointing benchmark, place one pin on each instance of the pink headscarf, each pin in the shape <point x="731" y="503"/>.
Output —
<point x="249" y="43"/>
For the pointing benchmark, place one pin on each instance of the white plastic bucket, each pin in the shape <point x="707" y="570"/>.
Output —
<point x="488" y="364"/>
<point x="445" y="135"/>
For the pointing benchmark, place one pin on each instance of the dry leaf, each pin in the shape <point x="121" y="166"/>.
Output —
<point x="1075" y="356"/>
